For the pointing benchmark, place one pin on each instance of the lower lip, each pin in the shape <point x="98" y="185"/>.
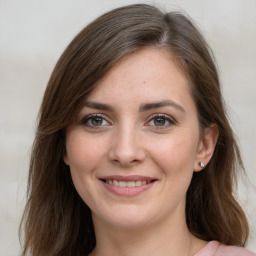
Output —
<point x="127" y="191"/>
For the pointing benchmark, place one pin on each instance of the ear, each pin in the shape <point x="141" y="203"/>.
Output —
<point x="65" y="157"/>
<point x="206" y="146"/>
<point x="64" y="151"/>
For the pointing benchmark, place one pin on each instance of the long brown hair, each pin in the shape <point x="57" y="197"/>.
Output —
<point x="56" y="221"/>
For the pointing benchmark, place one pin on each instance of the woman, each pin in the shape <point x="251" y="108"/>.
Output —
<point x="134" y="154"/>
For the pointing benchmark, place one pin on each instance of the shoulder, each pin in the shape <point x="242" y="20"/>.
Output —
<point x="214" y="248"/>
<point x="225" y="250"/>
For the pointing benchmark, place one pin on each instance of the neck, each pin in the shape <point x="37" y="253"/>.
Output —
<point x="171" y="238"/>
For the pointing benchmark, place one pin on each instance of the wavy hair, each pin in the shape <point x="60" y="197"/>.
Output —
<point x="56" y="221"/>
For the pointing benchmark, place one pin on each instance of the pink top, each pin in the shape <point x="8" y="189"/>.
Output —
<point x="214" y="248"/>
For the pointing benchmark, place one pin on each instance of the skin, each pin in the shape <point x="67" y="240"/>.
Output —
<point x="162" y="142"/>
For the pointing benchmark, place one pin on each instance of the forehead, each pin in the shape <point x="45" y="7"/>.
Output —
<point x="149" y="75"/>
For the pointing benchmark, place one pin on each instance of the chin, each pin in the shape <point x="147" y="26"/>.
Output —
<point x="126" y="218"/>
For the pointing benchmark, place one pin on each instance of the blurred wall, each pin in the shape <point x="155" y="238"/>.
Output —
<point x="33" y="34"/>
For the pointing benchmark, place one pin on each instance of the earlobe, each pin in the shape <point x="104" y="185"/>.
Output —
<point x="206" y="147"/>
<point x="65" y="155"/>
<point x="65" y="159"/>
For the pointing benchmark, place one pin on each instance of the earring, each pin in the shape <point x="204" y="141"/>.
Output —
<point x="201" y="164"/>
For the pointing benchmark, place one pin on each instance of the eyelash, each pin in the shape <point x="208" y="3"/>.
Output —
<point x="88" y="119"/>
<point x="167" y="118"/>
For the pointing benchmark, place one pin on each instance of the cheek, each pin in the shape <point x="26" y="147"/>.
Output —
<point x="84" y="155"/>
<point x="175" y="155"/>
<point x="83" y="152"/>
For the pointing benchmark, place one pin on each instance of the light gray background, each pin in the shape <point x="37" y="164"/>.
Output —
<point x="34" y="33"/>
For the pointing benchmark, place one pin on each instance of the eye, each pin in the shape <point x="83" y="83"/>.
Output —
<point x="94" y="121"/>
<point x="161" y="121"/>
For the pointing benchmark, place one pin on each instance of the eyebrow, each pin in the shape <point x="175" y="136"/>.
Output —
<point x="160" y="104"/>
<point x="99" y="106"/>
<point x="143" y="107"/>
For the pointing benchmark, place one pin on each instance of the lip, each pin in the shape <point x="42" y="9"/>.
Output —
<point x="127" y="178"/>
<point x="127" y="191"/>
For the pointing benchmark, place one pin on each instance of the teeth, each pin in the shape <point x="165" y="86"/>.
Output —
<point x="138" y="183"/>
<point x="122" y="184"/>
<point x="129" y="184"/>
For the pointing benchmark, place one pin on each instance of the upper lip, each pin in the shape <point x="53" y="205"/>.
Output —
<point x="127" y="178"/>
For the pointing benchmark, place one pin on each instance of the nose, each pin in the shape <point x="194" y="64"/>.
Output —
<point x="127" y="147"/>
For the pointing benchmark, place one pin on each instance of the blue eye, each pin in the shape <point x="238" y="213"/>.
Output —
<point x="161" y="121"/>
<point x="94" y="121"/>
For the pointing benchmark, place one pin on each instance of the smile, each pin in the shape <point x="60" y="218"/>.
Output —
<point x="129" y="184"/>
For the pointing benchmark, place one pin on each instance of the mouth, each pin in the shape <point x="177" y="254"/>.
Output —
<point x="127" y="184"/>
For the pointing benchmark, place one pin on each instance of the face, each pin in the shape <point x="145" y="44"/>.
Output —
<point x="135" y="144"/>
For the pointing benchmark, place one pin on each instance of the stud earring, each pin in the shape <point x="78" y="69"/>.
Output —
<point x="201" y="164"/>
